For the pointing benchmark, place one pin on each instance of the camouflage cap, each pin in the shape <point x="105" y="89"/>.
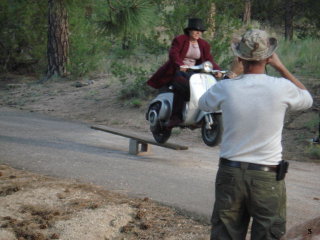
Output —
<point x="255" y="45"/>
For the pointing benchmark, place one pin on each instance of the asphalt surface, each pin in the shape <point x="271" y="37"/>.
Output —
<point x="182" y="179"/>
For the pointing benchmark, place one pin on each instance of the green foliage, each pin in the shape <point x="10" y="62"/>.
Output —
<point x="175" y="19"/>
<point x="128" y="20"/>
<point x="313" y="123"/>
<point x="230" y="9"/>
<point x="22" y="34"/>
<point x="261" y="11"/>
<point x="220" y="45"/>
<point x="301" y="56"/>
<point x="121" y="71"/>
<point x="174" y="15"/>
<point x="126" y="27"/>
<point x="305" y="29"/>
<point x="154" y="45"/>
<point x="136" y="103"/>
<point x="133" y="80"/>
<point x="91" y="95"/>
<point x="176" y="132"/>
<point x="305" y="13"/>
<point x="120" y="51"/>
<point x="314" y="151"/>
<point x="88" y="46"/>
<point x="311" y="11"/>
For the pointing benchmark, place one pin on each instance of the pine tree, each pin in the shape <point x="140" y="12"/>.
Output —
<point x="58" y="38"/>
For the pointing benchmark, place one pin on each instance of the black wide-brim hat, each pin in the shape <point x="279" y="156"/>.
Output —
<point x="194" y="24"/>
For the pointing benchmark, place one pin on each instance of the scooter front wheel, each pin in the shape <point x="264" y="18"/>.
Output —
<point x="161" y="135"/>
<point x="212" y="137"/>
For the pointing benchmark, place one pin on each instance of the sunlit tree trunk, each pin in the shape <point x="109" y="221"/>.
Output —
<point x="288" y="24"/>
<point x="58" y="38"/>
<point x="211" y="22"/>
<point x="247" y="12"/>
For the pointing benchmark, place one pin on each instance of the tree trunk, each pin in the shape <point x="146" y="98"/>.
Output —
<point x="247" y="12"/>
<point x="211" y="22"/>
<point x="288" y="21"/>
<point x="58" y="38"/>
<point x="125" y="43"/>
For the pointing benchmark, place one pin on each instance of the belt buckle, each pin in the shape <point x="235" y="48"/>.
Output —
<point x="265" y="168"/>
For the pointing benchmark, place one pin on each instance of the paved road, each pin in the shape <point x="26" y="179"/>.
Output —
<point x="183" y="179"/>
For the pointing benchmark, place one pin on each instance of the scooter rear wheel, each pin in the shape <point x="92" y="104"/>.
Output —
<point x="161" y="135"/>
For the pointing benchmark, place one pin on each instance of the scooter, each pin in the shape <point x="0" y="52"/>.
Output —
<point x="160" y="109"/>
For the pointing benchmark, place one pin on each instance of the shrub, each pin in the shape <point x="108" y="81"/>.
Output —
<point x="133" y="80"/>
<point x="314" y="151"/>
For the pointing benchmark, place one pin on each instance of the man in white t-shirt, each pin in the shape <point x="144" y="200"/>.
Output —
<point x="250" y="179"/>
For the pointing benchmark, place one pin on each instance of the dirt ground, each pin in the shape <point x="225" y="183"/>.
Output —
<point x="39" y="207"/>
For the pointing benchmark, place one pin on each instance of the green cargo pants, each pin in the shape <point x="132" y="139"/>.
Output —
<point x="243" y="194"/>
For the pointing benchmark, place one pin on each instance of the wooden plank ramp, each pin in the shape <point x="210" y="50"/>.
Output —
<point x="138" y="145"/>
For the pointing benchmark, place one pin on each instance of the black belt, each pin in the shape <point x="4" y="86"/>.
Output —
<point x="251" y="166"/>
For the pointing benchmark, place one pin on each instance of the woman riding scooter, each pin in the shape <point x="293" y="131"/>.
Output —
<point x="186" y="50"/>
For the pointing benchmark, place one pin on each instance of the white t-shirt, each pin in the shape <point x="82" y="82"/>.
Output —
<point x="253" y="109"/>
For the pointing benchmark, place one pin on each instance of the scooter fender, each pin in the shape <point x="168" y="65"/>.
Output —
<point x="166" y="101"/>
<point x="202" y="115"/>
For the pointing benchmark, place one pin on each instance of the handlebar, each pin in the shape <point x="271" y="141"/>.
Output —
<point x="206" y="67"/>
<point x="222" y="71"/>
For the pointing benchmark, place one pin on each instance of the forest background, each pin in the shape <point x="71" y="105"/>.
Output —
<point x="70" y="38"/>
<point x="83" y="60"/>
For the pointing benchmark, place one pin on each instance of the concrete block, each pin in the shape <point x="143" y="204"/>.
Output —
<point x="138" y="148"/>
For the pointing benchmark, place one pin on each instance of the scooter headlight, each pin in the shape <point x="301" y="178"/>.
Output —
<point x="207" y="66"/>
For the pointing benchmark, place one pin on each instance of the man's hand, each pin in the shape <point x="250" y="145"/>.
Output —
<point x="218" y="74"/>
<point x="231" y="74"/>
<point x="183" y="68"/>
<point x="275" y="61"/>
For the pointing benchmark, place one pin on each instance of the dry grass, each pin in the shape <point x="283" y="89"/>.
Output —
<point x="48" y="208"/>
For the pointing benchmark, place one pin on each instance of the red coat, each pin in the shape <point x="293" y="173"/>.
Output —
<point x="177" y="53"/>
